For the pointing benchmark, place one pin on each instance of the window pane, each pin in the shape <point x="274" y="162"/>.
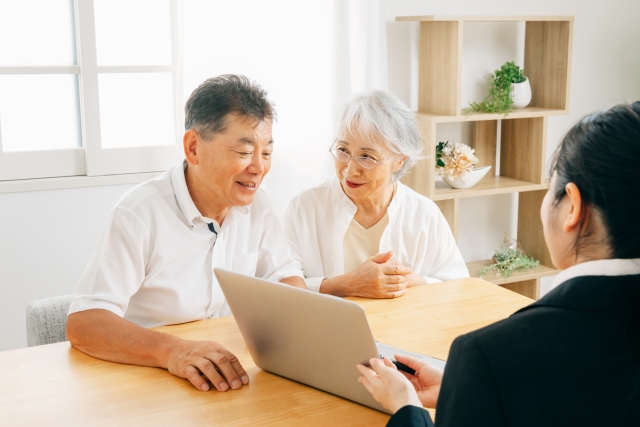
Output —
<point x="136" y="110"/>
<point x="133" y="32"/>
<point x="37" y="32"/>
<point x="39" y="112"/>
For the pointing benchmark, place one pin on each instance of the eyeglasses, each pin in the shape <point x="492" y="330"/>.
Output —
<point x="365" y="162"/>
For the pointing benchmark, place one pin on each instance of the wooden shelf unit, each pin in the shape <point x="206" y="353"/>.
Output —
<point x="478" y="18"/>
<point x="547" y="64"/>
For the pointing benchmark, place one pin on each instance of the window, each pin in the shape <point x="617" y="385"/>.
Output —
<point x="96" y="90"/>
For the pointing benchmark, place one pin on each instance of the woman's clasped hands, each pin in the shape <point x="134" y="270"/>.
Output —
<point x="381" y="276"/>
<point x="394" y="389"/>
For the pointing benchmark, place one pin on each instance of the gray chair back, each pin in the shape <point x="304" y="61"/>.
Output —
<point x="47" y="320"/>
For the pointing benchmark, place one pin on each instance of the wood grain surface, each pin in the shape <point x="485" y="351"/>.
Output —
<point x="439" y="70"/>
<point x="56" y="385"/>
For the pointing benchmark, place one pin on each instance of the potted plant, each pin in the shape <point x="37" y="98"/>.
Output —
<point x="455" y="164"/>
<point x="509" y="259"/>
<point x="508" y="88"/>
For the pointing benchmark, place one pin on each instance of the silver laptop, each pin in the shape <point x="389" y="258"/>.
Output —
<point x="311" y="338"/>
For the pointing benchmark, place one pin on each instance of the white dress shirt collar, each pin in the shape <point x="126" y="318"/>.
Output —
<point x="341" y="198"/>
<point x="601" y="267"/>
<point x="351" y="208"/>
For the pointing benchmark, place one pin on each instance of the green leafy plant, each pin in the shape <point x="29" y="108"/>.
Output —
<point x="509" y="259"/>
<point x="499" y="99"/>
<point x="440" y="154"/>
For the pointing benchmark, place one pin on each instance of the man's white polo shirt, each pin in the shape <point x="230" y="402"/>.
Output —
<point x="153" y="264"/>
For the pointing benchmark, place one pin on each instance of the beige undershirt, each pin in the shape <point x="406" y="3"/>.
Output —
<point x="361" y="243"/>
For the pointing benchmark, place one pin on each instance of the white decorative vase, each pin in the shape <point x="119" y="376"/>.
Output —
<point x="470" y="179"/>
<point x="521" y="94"/>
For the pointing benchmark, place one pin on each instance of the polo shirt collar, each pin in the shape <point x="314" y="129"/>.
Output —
<point x="185" y="202"/>
<point x="234" y="213"/>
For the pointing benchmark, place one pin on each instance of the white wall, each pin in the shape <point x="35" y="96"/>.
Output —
<point x="290" y="58"/>
<point x="46" y="237"/>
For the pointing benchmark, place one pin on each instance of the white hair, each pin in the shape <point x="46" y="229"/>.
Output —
<point x="378" y="114"/>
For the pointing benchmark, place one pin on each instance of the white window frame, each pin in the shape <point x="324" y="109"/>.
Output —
<point x="91" y="160"/>
<point x="41" y="163"/>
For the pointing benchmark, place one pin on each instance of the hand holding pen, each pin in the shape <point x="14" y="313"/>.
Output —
<point x="395" y="389"/>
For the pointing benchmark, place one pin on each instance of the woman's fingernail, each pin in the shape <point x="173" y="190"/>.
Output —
<point x="236" y="384"/>
<point x="245" y="379"/>
<point x="224" y="387"/>
<point x="205" y="387"/>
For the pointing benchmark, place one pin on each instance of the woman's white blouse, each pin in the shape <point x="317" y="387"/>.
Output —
<point x="316" y="220"/>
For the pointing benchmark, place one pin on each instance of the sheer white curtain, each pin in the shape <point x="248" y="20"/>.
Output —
<point x="359" y="48"/>
<point x="309" y="55"/>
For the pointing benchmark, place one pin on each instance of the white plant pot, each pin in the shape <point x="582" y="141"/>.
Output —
<point x="521" y="94"/>
<point x="470" y="179"/>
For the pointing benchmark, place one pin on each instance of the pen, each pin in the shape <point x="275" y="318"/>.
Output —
<point x="401" y="366"/>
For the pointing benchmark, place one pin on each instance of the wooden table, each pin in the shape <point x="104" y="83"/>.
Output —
<point x="57" y="385"/>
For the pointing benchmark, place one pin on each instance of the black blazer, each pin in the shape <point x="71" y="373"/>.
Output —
<point x="570" y="359"/>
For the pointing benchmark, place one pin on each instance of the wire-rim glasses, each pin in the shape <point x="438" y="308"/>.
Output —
<point x="365" y="162"/>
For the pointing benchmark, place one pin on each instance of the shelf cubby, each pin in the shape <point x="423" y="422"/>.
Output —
<point x="522" y="147"/>
<point x="547" y="60"/>
<point x="522" y="153"/>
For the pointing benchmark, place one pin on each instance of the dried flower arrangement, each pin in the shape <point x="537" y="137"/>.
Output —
<point x="455" y="160"/>
<point x="509" y="258"/>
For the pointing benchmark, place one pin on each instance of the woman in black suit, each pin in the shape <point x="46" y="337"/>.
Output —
<point x="573" y="357"/>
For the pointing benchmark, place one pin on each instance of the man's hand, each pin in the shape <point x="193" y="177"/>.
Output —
<point x="387" y="385"/>
<point x="211" y="359"/>
<point x="381" y="276"/>
<point x="105" y="335"/>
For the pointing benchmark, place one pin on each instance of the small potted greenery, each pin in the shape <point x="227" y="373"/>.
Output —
<point x="508" y="89"/>
<point x="509" y="259"/>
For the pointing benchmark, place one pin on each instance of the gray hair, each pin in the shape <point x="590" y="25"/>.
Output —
<point x="379" y="114"/>
<point x="208" y="105"/>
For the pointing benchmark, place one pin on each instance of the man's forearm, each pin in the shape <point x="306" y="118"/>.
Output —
<point x="104" y="335"/>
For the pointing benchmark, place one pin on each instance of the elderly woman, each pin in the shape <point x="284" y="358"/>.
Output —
<point x="363" y="233"/>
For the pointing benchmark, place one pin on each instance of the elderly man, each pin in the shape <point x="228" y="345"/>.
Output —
<point x="153" y="264"/>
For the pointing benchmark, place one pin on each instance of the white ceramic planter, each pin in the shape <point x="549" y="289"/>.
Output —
<point x="471" y="178"/>
<point x="521" y="94"/>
